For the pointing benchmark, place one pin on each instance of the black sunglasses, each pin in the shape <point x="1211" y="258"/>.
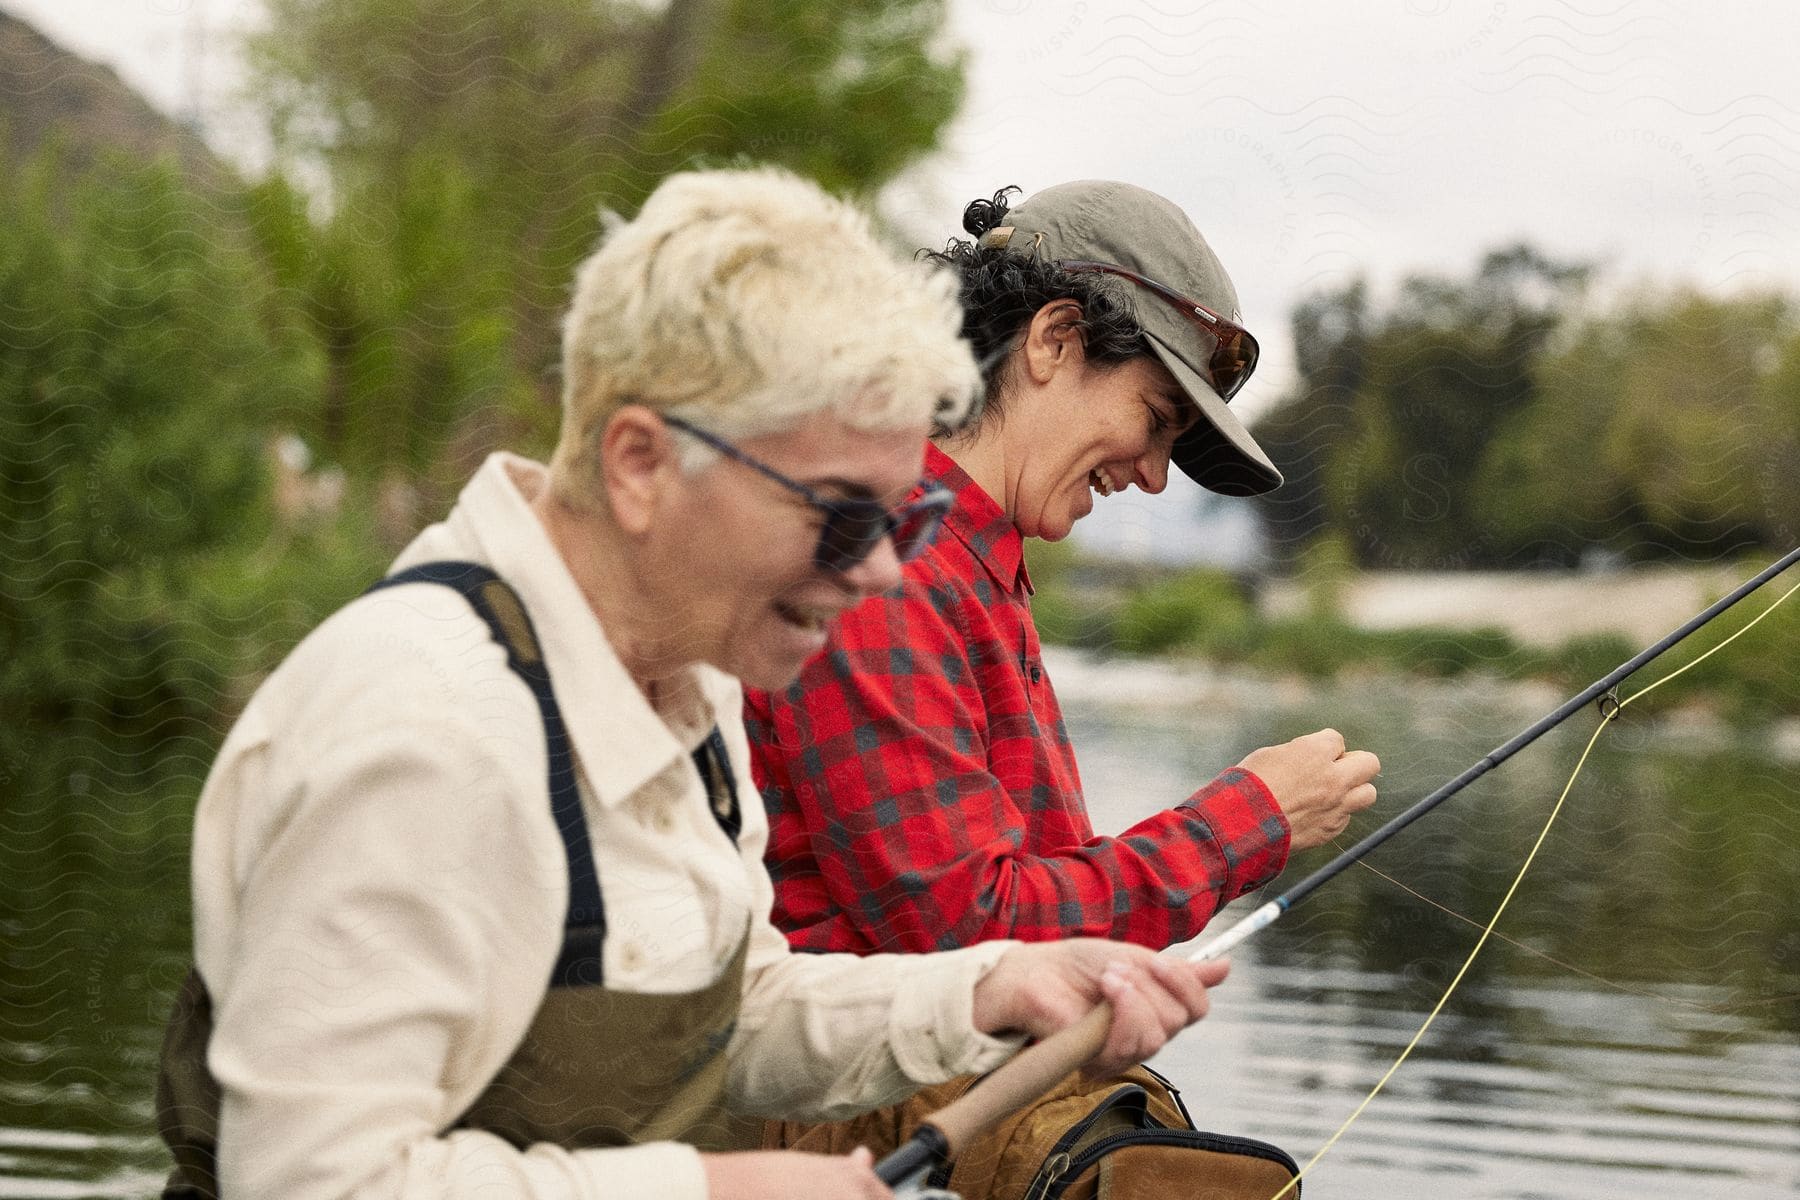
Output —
<point x="1231" y="353"/>
<point x="854" y="526"/>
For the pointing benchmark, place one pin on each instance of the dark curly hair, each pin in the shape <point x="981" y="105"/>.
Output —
<point x="1003" y="289"/>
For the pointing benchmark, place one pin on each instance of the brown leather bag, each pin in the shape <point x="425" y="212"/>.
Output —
<point x="1124" y="1138"/>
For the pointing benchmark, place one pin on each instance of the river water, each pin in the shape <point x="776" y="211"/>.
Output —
<point x="1637" y="1033"/>
<point x="1632" y="1031"/>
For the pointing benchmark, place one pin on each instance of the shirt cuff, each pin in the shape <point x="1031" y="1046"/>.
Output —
<point x="931" y="1026"/>
<point x="651" y="1171"/>
<point x="1247" y="826"/>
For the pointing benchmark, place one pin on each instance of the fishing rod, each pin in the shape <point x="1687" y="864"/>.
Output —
<point x="1033" y="1071"/>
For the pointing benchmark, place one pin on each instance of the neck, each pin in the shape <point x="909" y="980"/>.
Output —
<point x="605" y="566"/>
<point x="982" y="456"/>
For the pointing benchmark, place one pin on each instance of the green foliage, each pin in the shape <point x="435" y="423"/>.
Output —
<point x="1589" y="657"/>
<point x="467" y="148"/>
<point x="1444" y="653"/>
<point x="143" y="368"/>
<point x="1325" y="566"/>
<point x="401" y="315"/>
<point x="1450" y="363"/>
<point x="848" y="93"/>
<point x="1331" y="341"/>
<point x="1316" y="648"/>
<point x="1494" y="422"/>
<point x="1754" y="677"/>
<point x="1630" y="444"/>
<point x="1060" y="618"/>
<point x="1324" y="647"/>
<point x="1200" y="608"/>
<point x="1778" y="419"/>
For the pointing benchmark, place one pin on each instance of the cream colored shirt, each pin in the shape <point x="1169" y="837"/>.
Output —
<point x="379" y="893"/>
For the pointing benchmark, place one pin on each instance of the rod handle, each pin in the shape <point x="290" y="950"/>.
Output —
<point x="1022" y="1079"/>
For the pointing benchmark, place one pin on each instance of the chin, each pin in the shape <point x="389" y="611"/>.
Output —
<point x="769" y="673"/>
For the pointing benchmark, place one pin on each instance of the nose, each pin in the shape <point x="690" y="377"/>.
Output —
<point x="1153" y="470"/>
<point x="879" y="572"/>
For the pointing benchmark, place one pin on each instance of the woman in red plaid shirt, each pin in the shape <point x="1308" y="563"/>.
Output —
<point x="921" y="789"/>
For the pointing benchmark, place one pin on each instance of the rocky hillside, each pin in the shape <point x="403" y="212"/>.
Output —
<point x="48" y="92"/>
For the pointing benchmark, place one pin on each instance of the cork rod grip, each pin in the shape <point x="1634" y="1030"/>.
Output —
<point x="1022" y="1079"/>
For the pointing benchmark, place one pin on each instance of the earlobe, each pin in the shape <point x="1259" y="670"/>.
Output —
<point x="638" y="456"/>
<point x="1053" y="340"/>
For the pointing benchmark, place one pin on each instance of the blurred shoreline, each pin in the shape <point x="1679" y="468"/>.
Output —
<point x="1175" y="690"/>
<point x="1542" y="609"/>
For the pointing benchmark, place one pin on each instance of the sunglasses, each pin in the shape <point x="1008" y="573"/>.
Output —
<point x="854" y="526"/>
<point x="1233" y="351"/>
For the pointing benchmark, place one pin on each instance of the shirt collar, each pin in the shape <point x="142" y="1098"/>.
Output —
<point x="621" y="741"/>
<point x="977" y="520"/>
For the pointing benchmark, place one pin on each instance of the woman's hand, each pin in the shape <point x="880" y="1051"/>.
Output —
<point x="783" y="1174"/>
<point x="1041" y="988"/>
<point x="1317" y="782"/>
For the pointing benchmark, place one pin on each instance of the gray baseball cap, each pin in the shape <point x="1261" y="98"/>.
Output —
<point x="1101" y="222"/>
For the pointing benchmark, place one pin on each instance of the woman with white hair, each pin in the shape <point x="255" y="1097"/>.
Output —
<point x="479" y="898"/>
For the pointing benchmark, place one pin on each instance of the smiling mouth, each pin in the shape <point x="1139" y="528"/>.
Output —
<point x="1099" y="481"/>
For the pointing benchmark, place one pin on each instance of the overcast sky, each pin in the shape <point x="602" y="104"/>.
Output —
<point x="1313" y="141"/>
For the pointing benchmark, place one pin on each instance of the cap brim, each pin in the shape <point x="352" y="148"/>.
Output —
<point x="1218" y="453"/>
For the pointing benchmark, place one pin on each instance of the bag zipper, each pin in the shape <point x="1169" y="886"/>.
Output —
<point x="1058" y="1161"/>
<point x="1074" y="1165"/>
<point x="940" y="1174"/>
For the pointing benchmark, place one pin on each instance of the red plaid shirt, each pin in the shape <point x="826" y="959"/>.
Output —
<point x="922" y="793"/>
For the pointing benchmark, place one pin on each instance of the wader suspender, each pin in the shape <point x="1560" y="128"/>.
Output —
<point x="546" y="1091"/>
<point x="495" y="602"/>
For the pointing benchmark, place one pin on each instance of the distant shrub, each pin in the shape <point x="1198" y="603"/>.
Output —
<point x="1318" y="647"/>
<point x="1326" y="564"/>
<point x="1449" y="652"/>
<point x="1067" y="608"/>
<point x="1061" y="620"/>
<point x="1583" y="660"/>
<point x="1755" y="677"/>
<point x="1195" y="610"/>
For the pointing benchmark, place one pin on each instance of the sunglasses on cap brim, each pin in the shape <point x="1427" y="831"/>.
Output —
<point x="1233" y="351"/>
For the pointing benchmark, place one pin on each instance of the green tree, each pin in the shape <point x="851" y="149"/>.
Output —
<point x="147" y="358"/>
<point x="1500" y="420"/>
<point x="1395" y="408"/>
<point x="466" y="148"/>
<point x="1774" y="464"/>
<point x="1331" y="340"/>
<point x="128" y="381"/>
<point x="1633" y="443"/>
<point x="1450" y="364"/>
<point x="1687" y="435"/>
<point x="1543" y="492"/>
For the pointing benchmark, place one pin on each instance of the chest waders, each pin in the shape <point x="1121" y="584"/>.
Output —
<point x="596" y="1067"/>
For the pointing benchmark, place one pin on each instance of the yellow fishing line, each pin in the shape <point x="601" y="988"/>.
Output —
<point x="1517" y="879"/>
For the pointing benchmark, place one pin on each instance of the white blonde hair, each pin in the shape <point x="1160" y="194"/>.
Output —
<point x="745" y="301"/>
